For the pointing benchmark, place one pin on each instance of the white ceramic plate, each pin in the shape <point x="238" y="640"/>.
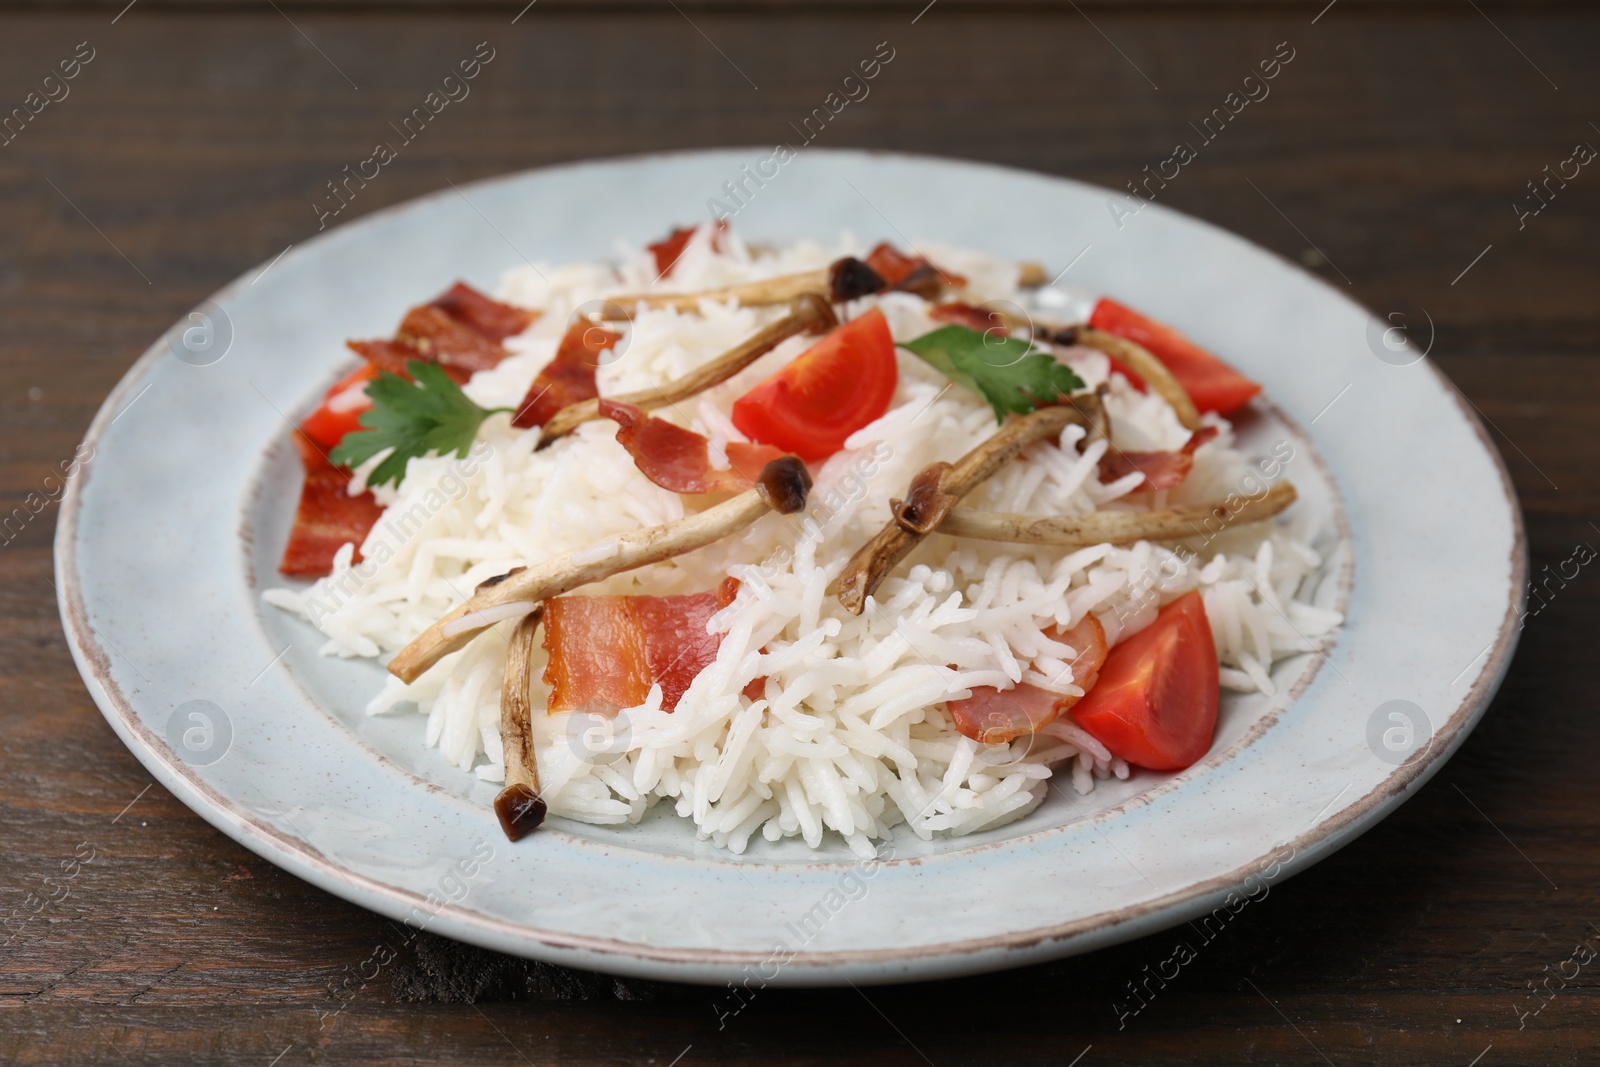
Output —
<point x="173" y="527"/>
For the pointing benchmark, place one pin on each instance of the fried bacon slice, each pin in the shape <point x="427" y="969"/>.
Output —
<point x="993" y="716"/>
<point x="569" y="377"/>
<point x="670" y="248"/>
<point x="1161" y="470"/>
<point x="392" y="356"/>
<point x="487" y="316"/>
<point x="327" y="517"/>
<point x="679" y="459"/>
<point x="911" y="274"/>
<point x="971" y="316"/>
<point x="461" y="330"/>
<point x="606" y="651"/>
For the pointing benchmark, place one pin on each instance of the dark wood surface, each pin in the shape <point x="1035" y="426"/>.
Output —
<point x="192" y="147"/>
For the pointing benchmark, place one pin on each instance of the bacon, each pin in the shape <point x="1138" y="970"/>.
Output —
<point x="668" y="250"/>
<point x="993" y="716"/>
<point x="973" y="318"/>
<point x="679" y="459"/>
<point x="447" y="341"/>
<point x="912" y="274"/>
<point x="569" y="377"/>
<point x="460" y="329"/>
<point x="489" y="317"/>
<point x="606" y="651"/>
<point x="1161" y="470"/>
<point x="327" y="518"/>
<point x="392" y="356"/>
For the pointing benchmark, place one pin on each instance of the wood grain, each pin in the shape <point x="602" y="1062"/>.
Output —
<point x="190" y="150"/>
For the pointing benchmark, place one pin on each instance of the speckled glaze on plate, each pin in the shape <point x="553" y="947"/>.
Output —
<point x="174" y="525"/>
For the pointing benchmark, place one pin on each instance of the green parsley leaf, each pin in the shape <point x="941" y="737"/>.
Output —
<point x="1010" y="373"/>
<point x="427" y="414"/>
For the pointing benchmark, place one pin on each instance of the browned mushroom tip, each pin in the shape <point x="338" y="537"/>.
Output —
<point x="821" y="312"/>
<point x="784" y="484"/>
<point x="1031" y="275"/>
<point x="926" y="503"/>
<point x="520" y="811"/>
<point x="926" y="281"/>
<point x="851" y="279"/>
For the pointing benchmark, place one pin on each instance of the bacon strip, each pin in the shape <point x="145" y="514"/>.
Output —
<point x="392" y="356"/>
<point x="445" y="340"/>
<point x="679" y="459"/>
<point x="1161" y="470"/>
<point x="911" y="274"/>
<point x="460" y="329"/>
<point x="489" y="317"/>
<point x="569" y="377"/>
<point x="327" y="518"/>
<point x="668" y="250"/>
<point x="992" y="716"/>
<point x="972" y="317"/>
<point x="606" y="651"/>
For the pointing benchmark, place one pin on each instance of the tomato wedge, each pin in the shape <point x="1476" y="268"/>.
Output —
<point x="825" y="394"/>
<point x="1155" y="702"/>
<point x="1210" y="383"/>
<point x="341" y="409"/>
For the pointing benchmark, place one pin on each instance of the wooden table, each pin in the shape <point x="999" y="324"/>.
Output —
<point x="1389" y="157"/>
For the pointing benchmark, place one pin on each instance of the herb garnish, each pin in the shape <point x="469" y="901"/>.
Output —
<point x="1008" y="372"/>
<point x="427" y="414"/>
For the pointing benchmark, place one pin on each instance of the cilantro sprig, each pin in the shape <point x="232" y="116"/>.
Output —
<point x="1008" y="372"/>
<point x="429" y="413"/>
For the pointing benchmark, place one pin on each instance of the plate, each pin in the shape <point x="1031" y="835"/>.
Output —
<point x="174" y="524"/>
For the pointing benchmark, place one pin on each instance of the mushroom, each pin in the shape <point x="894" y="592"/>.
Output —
<point x="811" y="313"/>
<point x="937" y="488"/>
<point x="1136" y="358"/>
<point x="782" y="487"/>
<point x="841" y="281"/>
<point x="1116" y="527"/>
<point x="519" y="806"/>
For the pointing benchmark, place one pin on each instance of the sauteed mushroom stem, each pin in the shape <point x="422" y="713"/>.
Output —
<point x="782" y="486"/>
<point x="811" y="314"/>
<point x="519" y="806"/>
<point x="1117" y="527"/>
<point x="933" y="495"/>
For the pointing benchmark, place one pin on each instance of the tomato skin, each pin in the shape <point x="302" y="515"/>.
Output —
<point x="1155" y="701"/>
<point x="828" y="392"/>
<point x="327" y="425"/>
<point x="1210" y="383"/>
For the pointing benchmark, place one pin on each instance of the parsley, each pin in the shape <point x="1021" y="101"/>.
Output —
<point x="428" y="414"/>
<point x="1008" y="372"/>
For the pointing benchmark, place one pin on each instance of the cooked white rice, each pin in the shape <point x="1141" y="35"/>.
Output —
<point x="852" y="734"/>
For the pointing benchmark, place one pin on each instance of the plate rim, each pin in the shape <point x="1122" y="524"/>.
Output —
<point x="304" y="860"/>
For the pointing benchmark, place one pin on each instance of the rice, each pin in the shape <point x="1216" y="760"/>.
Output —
<point x="850" y="733"/>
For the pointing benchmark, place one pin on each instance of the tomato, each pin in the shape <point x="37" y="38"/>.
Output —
<point x="341" y="409"/>
<point x="825" y="394"/>
<point x="1210" y="383"/>
<point x="1155" y="702"/>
